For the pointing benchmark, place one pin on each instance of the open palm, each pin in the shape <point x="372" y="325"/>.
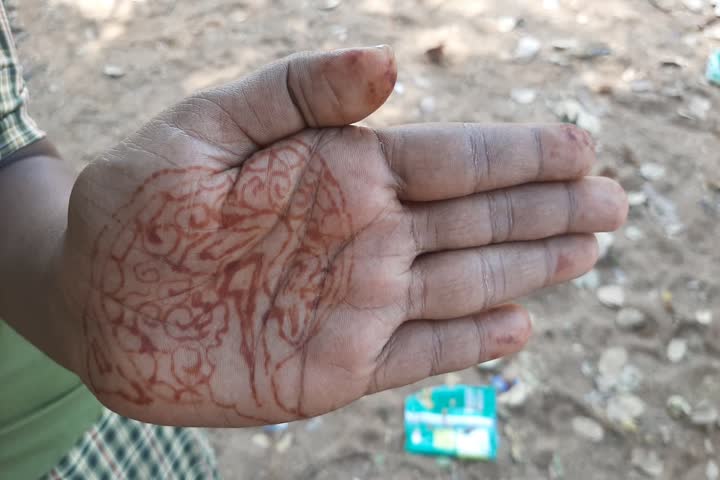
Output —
<point x="247" y="257"/>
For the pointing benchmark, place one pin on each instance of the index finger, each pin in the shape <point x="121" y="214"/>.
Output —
<point x="440" y="161"/>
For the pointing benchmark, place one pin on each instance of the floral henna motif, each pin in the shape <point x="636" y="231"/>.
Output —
<point x="208" y="285"/>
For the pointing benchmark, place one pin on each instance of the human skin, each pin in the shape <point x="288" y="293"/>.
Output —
<point x="250" y="257"/>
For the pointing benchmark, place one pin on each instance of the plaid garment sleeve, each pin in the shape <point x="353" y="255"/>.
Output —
<point x="17" y="129"/>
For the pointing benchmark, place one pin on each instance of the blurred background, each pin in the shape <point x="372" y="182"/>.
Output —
<point x="622" y="377"/>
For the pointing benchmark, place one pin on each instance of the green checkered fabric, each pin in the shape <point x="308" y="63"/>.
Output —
<point x="17" y="129"/>
<point x="117" y="448"/>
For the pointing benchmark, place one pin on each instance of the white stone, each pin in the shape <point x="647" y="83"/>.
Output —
<point x="624" y="409"/>
<point x="704" y="414"/>
<point x="631" y="318"/>
<point x="611" y="296"/>
<point x="677" y="349"/>
<point x="427" y="104"/>
<point x="699" y="107"/>
<point x="612" y="361"/>
<point x="565" y="44"/>
<point x="695" y="6"/>
<point x="636" y="199"/>
<point x="652" y="171"/>
<point x="648" y="462"/>
<point x="634" y="233"/>
<point x="678" y="407"/>
<point x="113" y="71"/>
<point x="507" y="24"/>
<point x="527" y="48"/>
<point x="284" y="443"/>
<point x="260" y="440"/>
<point x="588" y="428"/>
<point x="523" y="96"/>
<point x="704" y="317"/>
<point x="712" y="471"/>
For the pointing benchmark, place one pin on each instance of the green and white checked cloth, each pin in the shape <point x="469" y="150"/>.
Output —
<point x="17" y="129"/>
<point x="117" y="448"/>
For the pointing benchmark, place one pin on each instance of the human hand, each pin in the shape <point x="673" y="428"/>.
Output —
<point x="248" y="258"/>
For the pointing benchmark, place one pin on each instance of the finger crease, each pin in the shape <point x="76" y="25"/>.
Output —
<point x="537" y="135"/>
<point x="510" y="212"/>
<point x="549" y="263"/>
<point x="481" y="336"/>
<point x="437" y="347"/>
<point x="494" y="222"/>
<point x="572" y="207"/>
<point x="306" y="113"/>
<point x="484" y="272"/>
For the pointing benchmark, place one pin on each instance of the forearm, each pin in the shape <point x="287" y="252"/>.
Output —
<point x="34" y="192"/>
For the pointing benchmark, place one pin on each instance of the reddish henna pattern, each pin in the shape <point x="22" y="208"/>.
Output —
<point x="208" y="285"/>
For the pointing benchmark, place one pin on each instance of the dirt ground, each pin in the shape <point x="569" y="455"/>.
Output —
<point x="594" y="383"/>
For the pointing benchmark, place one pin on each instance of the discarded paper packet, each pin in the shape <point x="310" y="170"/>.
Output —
<point x="458" y="421"/>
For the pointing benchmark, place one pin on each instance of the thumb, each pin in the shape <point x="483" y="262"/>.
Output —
<point x="308" y="90"/>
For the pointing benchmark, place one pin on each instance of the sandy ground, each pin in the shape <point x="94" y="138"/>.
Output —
<point x="658" y="126"/>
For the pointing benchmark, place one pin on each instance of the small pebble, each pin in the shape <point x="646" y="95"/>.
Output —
<point x="704" y="317"/>
<point x="527" y="48"/>
<point x="641" y="86"/>
<point x="572" y="111"/>
<point x="261" y="440"/>
<point x="624" y="409"/>
<point x="523" y="96"/>
<point x="427" y="104"/>
<point x="588" y="428"/>
<point x="631" y="319"/>
<point x="452" y="379"/>
<point x="704" y="414"/>
<point x="284" y="443"/>
<point x="712" y="471"/>
<point x="507" y="24"/>
<point x="677" y="349"/>
<point x="665" y="434"/>
<point x="612" y="296"/>
<point x="630" y="378"/>
<point x="636" y="199"/>
<point x="330" y="4"/>
<point x="647" y="461"/>
<point x="113" y="71"/>
<point x="678" y="407"/>
<point x="612" y="361"/>
<point x="634" y="233"/>
<point x="652" y="171"/>
<point x="565" y="44"/>
<point x="695" y="6"/>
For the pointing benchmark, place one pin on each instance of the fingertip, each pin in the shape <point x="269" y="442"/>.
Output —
<point x="621" y="205"/>
<point x="508" y="329"/>
<point x="605" y="202"/>
<point x="573" y="256"/>
<point x="362" y="79"/>
<point x="573" y="147"/>
<point x="520" y="321"/>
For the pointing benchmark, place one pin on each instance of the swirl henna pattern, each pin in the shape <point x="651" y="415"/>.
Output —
<point x="208" y="284"/>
